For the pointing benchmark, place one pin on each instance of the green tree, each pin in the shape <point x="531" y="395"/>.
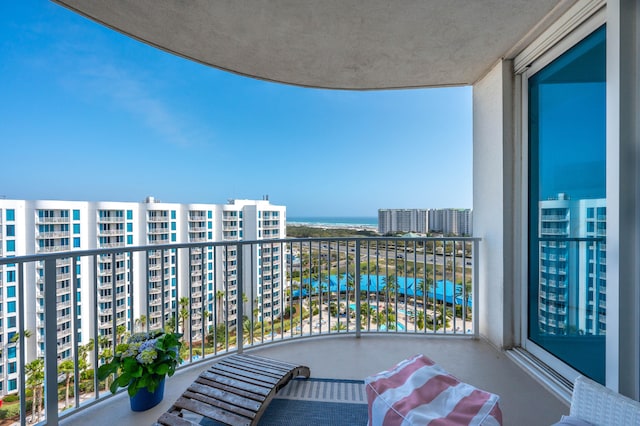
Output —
<point x="121" y="332"/>
<point x="35" y="380"/>
<point x="339" y="326"/>
<point x="219" y="298"/>
<point x="67" y="367"/>
<point x="16" y="337"/>
<point x="420" y="320"/>
<point x="390" y="286"/>
<point x="183" y="315"/>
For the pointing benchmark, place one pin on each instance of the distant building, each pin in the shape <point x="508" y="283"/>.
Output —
<point x="402" y="220"/>
<point x="446" y="221"/>
<point x="450" y="221"/>
<point x="44" y="226"/>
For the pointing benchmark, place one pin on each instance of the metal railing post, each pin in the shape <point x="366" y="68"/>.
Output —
<point x="356" y="289"/>
<point x="50" y="338"/>
<point x="239" y="300"/>
<point x="22" y="340"/>
<point x="476" y="290"/>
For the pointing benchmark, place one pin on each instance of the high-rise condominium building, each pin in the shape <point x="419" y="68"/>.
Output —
<point x="446" y="221"/>
<point x="572" y="273"/>
<point x="35" y="227"/>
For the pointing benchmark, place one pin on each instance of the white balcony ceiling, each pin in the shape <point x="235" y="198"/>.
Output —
<point x="341" y="44"/>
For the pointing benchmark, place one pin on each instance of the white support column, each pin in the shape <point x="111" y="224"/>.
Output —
<point x="493" y="201"/>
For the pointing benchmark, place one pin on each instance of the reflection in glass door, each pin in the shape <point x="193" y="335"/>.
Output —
<point x="567" y="207"/>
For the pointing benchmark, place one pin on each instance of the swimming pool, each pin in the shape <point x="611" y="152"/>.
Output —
<point x="399" y="326"/>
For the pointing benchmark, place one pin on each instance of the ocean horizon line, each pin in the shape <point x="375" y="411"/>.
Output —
<point x="333" y="221"/>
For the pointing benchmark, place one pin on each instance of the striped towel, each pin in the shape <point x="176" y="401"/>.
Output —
<point x="419" y="392"/>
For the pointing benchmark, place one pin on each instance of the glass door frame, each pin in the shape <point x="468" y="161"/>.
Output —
<point x="527" y="69"/>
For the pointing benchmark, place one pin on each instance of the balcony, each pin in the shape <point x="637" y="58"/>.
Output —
<point x="394" y="309"/>
<point x="523" y="401"/>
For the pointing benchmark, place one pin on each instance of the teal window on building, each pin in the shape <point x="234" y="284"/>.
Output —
<point x="173" y="237"/>
<point x="10" y="215"/>
<point x="11" y="245"/>
<point x="11" y="276"/>
<point x="173" y="226"/>
<point x="11" y="307"/>
<point x="11" y="230"/>
<point x="173" y="214"/>
<point x="76" y="215"/>
<point x="209" y="225"/>
<point x="11" y="291"/>
<point x="76" y="228"/>
<point x="210" y="235"/>
<point x="13" y="383"/>
<point x="129" y="239"/>
<point x="76" y="242"/>
<point x="129" y="227"/>
<point x="209" y="214"/>
<point x="12" y="367"/>
<point x="11" y="352"/>
<point x="129" y="214"/>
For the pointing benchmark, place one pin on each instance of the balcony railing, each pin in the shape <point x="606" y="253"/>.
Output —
<point x="347" y="286"/>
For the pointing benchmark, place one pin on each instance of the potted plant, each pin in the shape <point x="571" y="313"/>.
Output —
<point x="141" y="365"/>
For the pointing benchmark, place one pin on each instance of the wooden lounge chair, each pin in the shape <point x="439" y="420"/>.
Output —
<point x="236" y="391"/>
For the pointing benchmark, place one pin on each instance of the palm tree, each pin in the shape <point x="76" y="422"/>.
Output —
<point x="66" y="367"/>
<point x="120" y="333"/>
<point x="219" y="297"/>
<point x="390" y="285"/>
<point x="35" y="379"/>
<point x="420" y="320"/>
<point x="16" y="337"/>
<point x="143" y="322"/>
<point x="183" y="314"/>
<point x="105" y="354"/>
<point x="340" y="326"/>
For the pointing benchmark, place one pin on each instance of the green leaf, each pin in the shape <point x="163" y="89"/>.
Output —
<point x="124" y="379"/>
<point x="114" y="386"/>
<point x="162" y="369"/>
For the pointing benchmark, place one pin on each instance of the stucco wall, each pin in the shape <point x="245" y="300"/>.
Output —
<point x="493" y="213"/>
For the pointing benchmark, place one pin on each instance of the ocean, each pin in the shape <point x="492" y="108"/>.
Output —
<point x="337" y="221"/>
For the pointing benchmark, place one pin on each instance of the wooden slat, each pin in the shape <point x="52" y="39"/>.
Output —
<point x="212" y="412"/>
<point x="230" y="404"/>
<point x="220" y="395"/>
<point x="250" y="368"/>
<point x="258" y="389"/>
<point x="249" y="377"/>
<point x="261" y="363"/>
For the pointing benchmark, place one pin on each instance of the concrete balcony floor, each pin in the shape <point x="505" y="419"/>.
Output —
<point x="523" y="400"/>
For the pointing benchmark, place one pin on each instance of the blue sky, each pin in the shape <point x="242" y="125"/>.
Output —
<point x="89" y="114"/>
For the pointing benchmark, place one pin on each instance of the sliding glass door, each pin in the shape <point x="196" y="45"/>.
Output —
<point x="567" y="207"/>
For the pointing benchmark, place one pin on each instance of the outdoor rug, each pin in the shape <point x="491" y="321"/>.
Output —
<point x="316" y="402"/>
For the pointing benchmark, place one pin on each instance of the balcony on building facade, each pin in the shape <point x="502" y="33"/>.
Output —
<point x="158" y="218"/>
<point x="110" y="232"/>
<point x="54" y="219"/>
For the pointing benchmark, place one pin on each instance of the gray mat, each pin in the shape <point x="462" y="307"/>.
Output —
<point x="315" y="402"/>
